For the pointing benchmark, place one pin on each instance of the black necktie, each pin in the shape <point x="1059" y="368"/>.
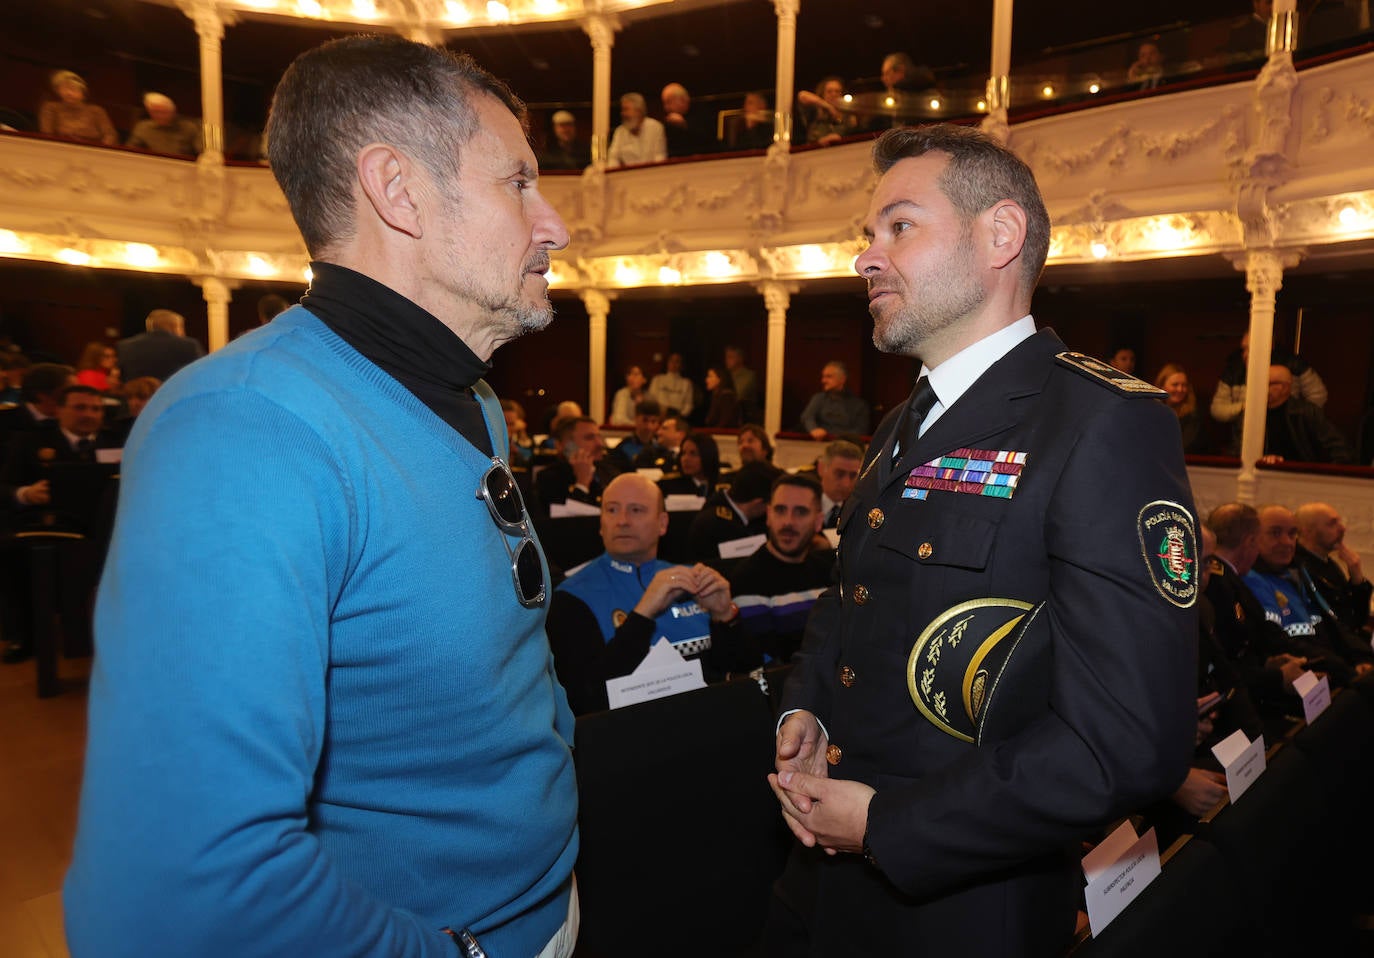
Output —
<point x="923" y="399"/>
<point x="85" y="449"/>
<point x="833" y="518"/>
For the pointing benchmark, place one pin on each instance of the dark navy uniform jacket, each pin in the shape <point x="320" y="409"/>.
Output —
<point x="1091" y="717"/>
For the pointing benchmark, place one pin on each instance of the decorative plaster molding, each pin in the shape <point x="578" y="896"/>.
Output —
<point x="1122" y="145"/>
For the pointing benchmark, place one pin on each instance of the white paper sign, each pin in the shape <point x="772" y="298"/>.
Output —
<point x="833" y="535"/>
<point x="663" y="672"/>
<point x="109" y="455"/>
<point x="682" y="502"/>
<point x="1242" y="759"/>
<point x="1315" y="692"/>
<point x="573" y="507"/>
<point x="1118" y="870"/>
<point x="652" y="473"/>
<point x="739" y="548"/>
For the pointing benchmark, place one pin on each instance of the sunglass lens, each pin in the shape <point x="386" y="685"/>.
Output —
<point x="505" y="499"/>
<point x="529" y="573"/>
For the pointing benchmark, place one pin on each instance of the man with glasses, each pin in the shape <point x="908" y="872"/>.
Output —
<point x="324" y="718"/>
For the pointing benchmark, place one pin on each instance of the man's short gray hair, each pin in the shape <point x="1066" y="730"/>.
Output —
<point x="165" y="320"/>
<point x="152" y="99"/>
<point x="635" y="100"/>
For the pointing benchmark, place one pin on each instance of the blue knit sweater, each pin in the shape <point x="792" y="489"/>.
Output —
<point x="320" y="722"/>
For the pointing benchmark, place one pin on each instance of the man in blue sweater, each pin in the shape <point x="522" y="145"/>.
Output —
<point x="324" y="718"/>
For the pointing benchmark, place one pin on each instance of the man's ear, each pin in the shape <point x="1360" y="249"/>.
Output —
<point x="389" y="181"/>
<point x="662" y="523"/>
<point x="1007" y="233"/>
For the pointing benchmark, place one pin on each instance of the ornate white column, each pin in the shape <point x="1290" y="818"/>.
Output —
<point x="598" y="303"/>
<point x="1263" y="278"/>
<point x="785" y="82"/>
<point x="217" y="293"/>
<point x="1283" y="29"/>
<point x="601" y="30"/>
<point x="210" y="22"/>
<point x="776" y="297"/>
<point x="999" y="79"/>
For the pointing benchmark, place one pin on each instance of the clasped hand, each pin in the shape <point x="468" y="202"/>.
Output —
<point x="831" y="813"/>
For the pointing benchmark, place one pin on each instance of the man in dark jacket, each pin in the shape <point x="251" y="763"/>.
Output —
<point x="160" y="351"/>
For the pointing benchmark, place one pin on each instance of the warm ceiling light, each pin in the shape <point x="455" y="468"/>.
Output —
<point x="1348" y="215"/>
<point x="1099" y="250"/>
<point x="141" y="255"/>
<point x="309" y="275"/>
<point x="1047" y="90"/>
<point x="669" y="276"/>
<point x="716" y="263"/>
<point x="813" y="259"/>
<point x="548" y="8"/>
<point x="627" y="275"/>
<point x="366" y="9"/>
<point x="981" y="106"/>
<point x="310" y="8"/>
<point x="261" y="4"/>
<point x="889" y="101"/>
<point x="455" y="12"/>
<point x="848" y="98"/>
<point x="73" y="257"/>
<point x="1094" y="88"/>
<point x="11" y="243"/>
<point x="260" y="267"/>
<point x="498" y="12"/>
<point x="934" y="103"/>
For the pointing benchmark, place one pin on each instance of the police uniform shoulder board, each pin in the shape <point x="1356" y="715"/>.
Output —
<point x="1099" y="372"/>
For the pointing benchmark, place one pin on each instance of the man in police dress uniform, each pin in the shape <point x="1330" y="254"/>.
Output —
<point x="1006" y="663"/>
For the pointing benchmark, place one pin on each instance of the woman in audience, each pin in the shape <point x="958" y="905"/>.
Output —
<point x="698" y="462"/>
<point x="97" y="367"/>
<point x="521" y="445"/>
<point x="828" y="121"/>
<point x="135" y="393"/>
<point x="722" y="408"/>
<point x="71" y="116"/>
<point x="627" y="397"/>
<point x="1181" y="399"/>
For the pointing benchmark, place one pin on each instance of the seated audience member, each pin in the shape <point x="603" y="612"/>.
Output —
<point x="72" y="436"/>
<point x="98" y="365"/>
<point x="70" y="116"/>
<point x="627" y="397"/>
<point x="521" y="450"/>
<point x="756" y="133"/>
<point x="604" y="617"/>
<point x="662" y="454"/>
<point x="837" y="469"/>
<point x="672" y="390"/>
<point x="745" y="383"/>
<point x="698" y="464"/>
<point x="164" y="131"/>
<point x="1290" y="605"/>
<point x="639" y="138"/>
<point x="907" y="87"/>
<point x="1332" y="570"/>
<point x="1218" y="684"/>
<point x="581" y="470"/>
<point x="13" y="366"/>
<point x="565" y="151"/>
<point x="753" y="444"/>
<point x="777" y="585"/>
<point x="722" y="407"/>
<point x="1295" y="430"/>
<point x="40" y="396"/>
<point x="270" y="306"/>
<point x="1266" y="658"/>
<point x="1228" y="402"/>
<point x="834" y="411"/>
<point x="1147" y="71"/>
<point x="829" y="117"/>
<point x="732" y="513"/>
<point x="135" y="393"/>
<point x="1183" y="401"/>
<point x="566" y="409"/>
<point x="1123" y="359"/>
<point x="647" y="416"/>
<point x="687" y="133"/>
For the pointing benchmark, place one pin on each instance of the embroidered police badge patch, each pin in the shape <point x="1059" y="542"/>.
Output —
<point x="1168" y="545"/>
<point x="958" y="658"/>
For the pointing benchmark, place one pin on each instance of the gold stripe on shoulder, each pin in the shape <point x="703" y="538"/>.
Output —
<point x="1098" y="371"/>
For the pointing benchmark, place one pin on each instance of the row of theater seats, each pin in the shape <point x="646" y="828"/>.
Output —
<point x="682" y="839"/>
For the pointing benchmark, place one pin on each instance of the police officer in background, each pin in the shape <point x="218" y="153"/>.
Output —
<point x="1006" y="662"/>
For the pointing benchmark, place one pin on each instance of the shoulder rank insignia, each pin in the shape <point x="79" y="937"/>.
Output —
<point x="1098" y="371"/>
<point x="725" y="512"/>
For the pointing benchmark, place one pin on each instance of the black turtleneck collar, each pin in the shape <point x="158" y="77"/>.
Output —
<point x="405" y="341"/>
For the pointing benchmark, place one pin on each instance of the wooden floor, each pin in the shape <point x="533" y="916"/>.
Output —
<point x="41" y="745"/>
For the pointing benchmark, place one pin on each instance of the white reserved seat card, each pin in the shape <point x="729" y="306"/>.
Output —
<point x="1118" y="870"/>
<point x="1242" y="759"/>
<point x="1315" y="692"/>
<point x="682" y="502"/>
<point x="573" y="507"/>
<point x="740" y="548"/>
<point x="663" y="672"/>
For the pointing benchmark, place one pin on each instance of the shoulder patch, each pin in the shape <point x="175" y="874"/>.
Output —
<point x="1100" y="372"/>
<point x="1168" y="545"/>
